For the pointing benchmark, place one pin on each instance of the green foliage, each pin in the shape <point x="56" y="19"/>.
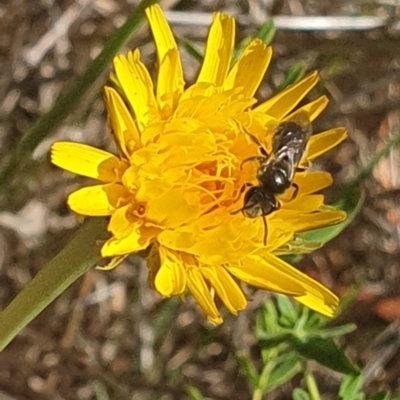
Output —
<point x="351" y="201"/>
<point x="192" y="51"/>
<point x="350" y="389"/>
<point x="47" y="123"/>
<point x="300" y="394"/>
<point x="194" y="393"/>
<point x="304" y="332"/>
<point x="325" y="352"/>
<point x="295" y="73"/>
<point x="290" y="336"/>
<point x="266" y="32"/>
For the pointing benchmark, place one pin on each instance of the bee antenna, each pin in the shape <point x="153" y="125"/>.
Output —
<point x="265" y="230"/>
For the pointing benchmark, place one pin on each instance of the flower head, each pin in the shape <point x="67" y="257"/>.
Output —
<point x="180" y="175"/>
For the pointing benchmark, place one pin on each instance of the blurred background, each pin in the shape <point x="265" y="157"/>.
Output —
<point x="110" y="336"/>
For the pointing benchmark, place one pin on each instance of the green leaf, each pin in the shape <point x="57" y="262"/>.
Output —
<point x="296" y="72"/>
<point x="287" y="310"/>
<point x="248" y="369"/>
<point x="284" y="372"/>
<point x="350" y="389"/>
<point x="267" y="32"/>
<point x="351" y="198"/>
<point x="192" y="51"/>
<point x="351" y="202"/>
<point x="383" y="396"/>
<point x="333" y="332"/>
<point x="267" y="320"/>
<point x="194" y="393"/>
<point x="300" y="394"/>
<point x="80" y="255"/>
<point x="327" y="353"/>
<point x="45" y="124"/>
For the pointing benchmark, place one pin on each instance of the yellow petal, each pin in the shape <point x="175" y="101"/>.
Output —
<point x="123" y="221"/>
<point x="174" y="208"/>
<point x="225" y="286"/>
<point x="271" y="273"/>
<point x="256" y="271"/>
<point x="305" y="203"/>
<point x="201" y="293"/>
<point x="283" y="103"/>
<point x="135" y="81"/>
<point x="134" y="241"/>
<point x="170" y="82"/>
<point x="325" y="141"/>
<point x="121" y="122"/>
<point x="255" y="58"/>
<point x="312" y="109"/>
<point x="171" y="276"/>
<point x="218" y="55"/>
<point x="315" y="295"/>
<point x="311" y="182"/>
<point x="98" y="200"/>
<point x="308" y="222"/>
<point x="87" y="161"/>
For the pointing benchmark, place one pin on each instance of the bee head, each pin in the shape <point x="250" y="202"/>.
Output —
<point x="259" y="202"/>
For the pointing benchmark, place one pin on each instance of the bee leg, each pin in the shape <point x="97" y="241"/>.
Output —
<point x="305" y="168"/>
<point x="263" y="152"/>
<point x="236" y="211"/>
<point x="265" y="230"/>
<point x="259" y="159"/>
<point x="295" y="191"/>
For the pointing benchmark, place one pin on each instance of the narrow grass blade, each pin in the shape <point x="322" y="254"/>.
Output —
<point x="66" y="102"/>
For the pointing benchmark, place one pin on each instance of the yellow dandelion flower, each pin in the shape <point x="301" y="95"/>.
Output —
<point x="180" y="173"/>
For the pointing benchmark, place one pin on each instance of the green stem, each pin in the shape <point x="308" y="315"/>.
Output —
<point x="66" y="103"/>
<point x="312" y="386"/>
<point x="257" y="394"/>
<point x="81" y="254"/>
<point x="264" y="377"/>
<point x="367" y="170"/>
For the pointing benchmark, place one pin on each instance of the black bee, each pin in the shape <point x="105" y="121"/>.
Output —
<point x="277" y="170"/>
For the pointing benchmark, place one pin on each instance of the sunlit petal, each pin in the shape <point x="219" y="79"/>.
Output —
<point x="325" y="141"/>
<point x="121" y="122"/>
<point x="87" y="161"/>
<point x="99" y="200"/>
<point x="283" y="103"/>
<point x="170" y="82"/>
<point x="255" y="58"/>
<point x="219" y="50"/>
